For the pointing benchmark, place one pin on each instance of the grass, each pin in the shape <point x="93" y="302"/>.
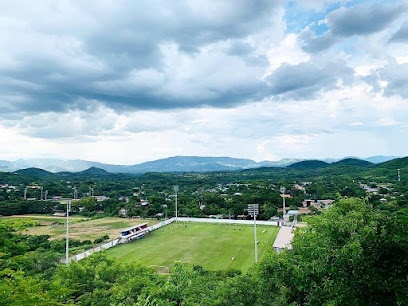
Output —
<point x="212" y="246"/>
<point x="80" y="227"/>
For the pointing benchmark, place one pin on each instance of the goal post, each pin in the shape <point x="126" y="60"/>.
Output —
<point x="160" y="269"/>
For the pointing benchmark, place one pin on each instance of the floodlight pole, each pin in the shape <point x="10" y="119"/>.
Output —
<point x="67" y="236"/>
<point x="282" y="189"/>
<point x="176" y="189"/>
<point x="253" y="209"/>
<point x="256" y="240"/>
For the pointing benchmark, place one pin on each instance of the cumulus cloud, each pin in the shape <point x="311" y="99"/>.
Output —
<point x="139" y="55"/>
<point x="395" y="77"/>
<point x="401" y="35"/>
<point x="315" y="43"/>
<point x="363" y="19"/>
<point x="304" y="80"/>
<point x="132" y="80"/>
<point x="344" y="22"/>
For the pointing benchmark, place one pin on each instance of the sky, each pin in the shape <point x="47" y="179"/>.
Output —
<point x="124" y="82"/>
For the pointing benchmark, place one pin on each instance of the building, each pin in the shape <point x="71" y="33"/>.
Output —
<point x="123" y="212"/>
<point x="59" y="213"/>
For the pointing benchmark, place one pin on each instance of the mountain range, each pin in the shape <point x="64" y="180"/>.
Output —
<point x="171" y="164"/>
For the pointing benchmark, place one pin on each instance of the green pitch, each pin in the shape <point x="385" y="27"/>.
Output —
<point x="212" y="246"/>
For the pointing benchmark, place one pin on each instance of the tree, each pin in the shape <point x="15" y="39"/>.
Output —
<point x="348" y="255"/>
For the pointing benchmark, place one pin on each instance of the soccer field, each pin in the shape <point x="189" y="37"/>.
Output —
<point x="212" y="246"/>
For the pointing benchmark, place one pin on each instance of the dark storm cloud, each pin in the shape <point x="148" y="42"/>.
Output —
<point x="363" y="19"/>
<point x="305" y="80"/>
<point x="55" y="62"/>
<point x="401" y="35"/>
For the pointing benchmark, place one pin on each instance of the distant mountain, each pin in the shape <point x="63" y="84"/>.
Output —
<point x="193" y="164"/>
<point x="5" y="165"/>
<point x="93" y="171"/>
<point x="309" y="165"/>
<point x="380" y="159"/>
<point x="280" y="163"/>
<point x="172" y="164"/>
<point x="57" y="165"/>
<point x="353" y="162"/>
<point x="34" y="172"/>
<point x="398" y="163"/>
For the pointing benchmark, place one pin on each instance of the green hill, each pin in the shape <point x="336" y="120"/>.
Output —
<point x="353" y="162"/>
<point x="398" y="163"/>
<point x="309" y="165"/>
<point x="93" y="171"/>
<point x="36" y="172"/>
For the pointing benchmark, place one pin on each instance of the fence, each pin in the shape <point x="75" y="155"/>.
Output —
<point x="226" y="221"/>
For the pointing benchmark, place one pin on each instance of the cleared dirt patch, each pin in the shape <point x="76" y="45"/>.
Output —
<point x="80" y="228"/>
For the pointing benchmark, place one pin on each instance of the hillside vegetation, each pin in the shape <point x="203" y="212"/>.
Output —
<point x="353" y="252"/>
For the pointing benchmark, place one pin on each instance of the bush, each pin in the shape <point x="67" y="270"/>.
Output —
<point x="101" y="239"/>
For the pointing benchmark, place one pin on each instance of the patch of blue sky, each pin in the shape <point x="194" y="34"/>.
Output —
<point x="319" y="27"/>
<point x="298" y="16"/>
<point x="349" y="4"/>
<point x="349" y="45"/>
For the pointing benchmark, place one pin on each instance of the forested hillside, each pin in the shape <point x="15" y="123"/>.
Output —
<point x="352" y="253"/>
<point x="203" y="194"/>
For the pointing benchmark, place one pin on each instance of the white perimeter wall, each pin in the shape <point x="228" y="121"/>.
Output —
<point x="226" y="221"/>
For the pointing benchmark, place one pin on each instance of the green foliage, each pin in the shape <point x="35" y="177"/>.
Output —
<point x="22" y="207"/>
<point x="100" y="280"/>
<point x="101" y="239"/>
<point x="348" y="255"/>
<point x="16" y="289"/>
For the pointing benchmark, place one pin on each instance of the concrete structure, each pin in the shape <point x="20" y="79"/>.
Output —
<point x="283" y="239"/>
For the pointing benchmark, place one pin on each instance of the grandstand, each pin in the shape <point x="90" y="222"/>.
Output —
<point x="134" y="232"/>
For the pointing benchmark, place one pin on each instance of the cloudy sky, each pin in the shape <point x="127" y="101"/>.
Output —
<point x="125" y="82"/>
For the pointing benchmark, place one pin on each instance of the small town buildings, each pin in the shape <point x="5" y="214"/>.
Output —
<point x="59" y="213"/>
<point x="101" y="198"/>
<point x="123" y="212"/>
